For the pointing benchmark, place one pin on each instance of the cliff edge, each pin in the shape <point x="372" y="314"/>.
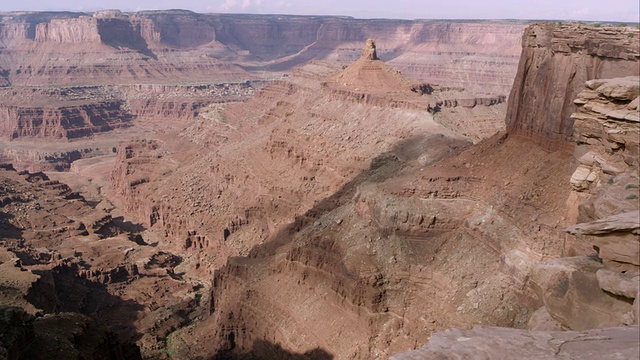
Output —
<point x="557" y="59"/>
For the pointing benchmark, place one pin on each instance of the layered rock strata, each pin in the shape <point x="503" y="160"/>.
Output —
<point x="595" y="292"/>
<point x="135" y="55"/>
<point x="559" y="59"/>
<point x="605" y="203"/>
<point x="181" y="45"/>
<point x="55" y="123"/>
<point x="48" y="128"/>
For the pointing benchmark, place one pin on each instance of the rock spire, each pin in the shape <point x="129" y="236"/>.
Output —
<point x="369" y="51"/>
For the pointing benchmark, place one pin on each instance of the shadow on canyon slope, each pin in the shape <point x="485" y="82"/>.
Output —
<point x="382" y="167"/>
<point x="62" y="290"/>
<point x="265" y="350"/>
<point x="128" y="226"/>
<point x="113" y="31"/>
<point x="7" y="229"/>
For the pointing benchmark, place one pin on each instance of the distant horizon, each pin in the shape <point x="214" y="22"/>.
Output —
<point x="318" y="15"/>
<point x="617" y="11"/>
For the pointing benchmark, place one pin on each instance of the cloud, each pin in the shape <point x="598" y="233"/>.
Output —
<point x="263" y="6"/>
<point x="579" y="14"/>
<point x="240" y="5"/>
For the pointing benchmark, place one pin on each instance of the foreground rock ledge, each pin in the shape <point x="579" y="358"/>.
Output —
<point x="503" y="343"/>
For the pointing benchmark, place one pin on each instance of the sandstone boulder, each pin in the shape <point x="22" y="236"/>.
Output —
<point x="571" y="293"/>
<point x="625" y="88"/>
<point x="619" y="283"/>
<point x="616" y="237"/>
<point x="626" y="222"/>
<point x="541" y="320"/>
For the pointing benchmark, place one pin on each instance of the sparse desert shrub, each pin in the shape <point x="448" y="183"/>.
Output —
<point x="610" y="181"/>
<point x="631" y="196"/>
<point x="630" y="186"/>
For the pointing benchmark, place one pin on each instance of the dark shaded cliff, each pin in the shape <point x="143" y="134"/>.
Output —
<point x="555" y="63"/>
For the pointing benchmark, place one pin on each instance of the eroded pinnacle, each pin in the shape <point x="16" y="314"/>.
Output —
<point x="369" y="51"/>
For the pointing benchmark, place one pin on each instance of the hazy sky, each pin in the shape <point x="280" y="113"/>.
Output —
<point x="598" y="10"/>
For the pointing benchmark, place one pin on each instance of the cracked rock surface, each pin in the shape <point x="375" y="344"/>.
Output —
<point x="501" y="343"/>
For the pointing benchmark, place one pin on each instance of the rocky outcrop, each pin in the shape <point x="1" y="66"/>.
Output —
<point x="372" y="82"/>
<point x="559" y="59"/>
<point x="61" y="257"/>
<point x="605" y="184"/>
<point x="498" y="343"/>
<point x="603" y="285"/>
<point x="569" y="289"/>
<point x="55" y="123"/>
<point x="607" y="126"/>
<point x="369" y="51"/>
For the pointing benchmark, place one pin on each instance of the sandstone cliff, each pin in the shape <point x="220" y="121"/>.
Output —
<point x="392" y="246"/>
<point x="558" y="60"/>
<point x="603" y="285"/>
<point x="597" y="286"/>
<point x="61" y="122"/>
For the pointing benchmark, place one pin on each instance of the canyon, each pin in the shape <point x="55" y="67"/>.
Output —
<point x="85" y="74"/>
<point x="205" y="186"/>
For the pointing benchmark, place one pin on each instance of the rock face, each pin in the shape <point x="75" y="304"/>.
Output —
<point x="569" y="288"/>
<point x="499" y="343"/>
<point x="606" y="181"/>
<point x="607" y="126"/>
<point x="604" y="201"/>
<point x="582" y="292"/>
<point x="559" y="59"/>
<point x="55" y="123"/>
